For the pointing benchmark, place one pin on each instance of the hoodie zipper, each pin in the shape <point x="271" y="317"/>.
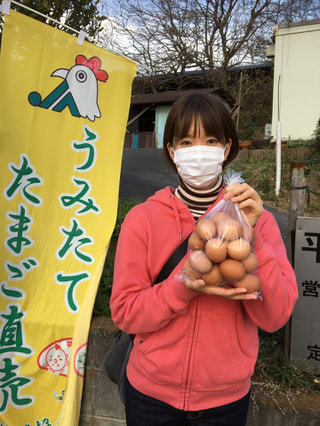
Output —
<point x="187" y="382"/>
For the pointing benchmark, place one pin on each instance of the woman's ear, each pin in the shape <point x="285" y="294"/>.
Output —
<point x="227" y="150"/>
<point x="170" y="150"/>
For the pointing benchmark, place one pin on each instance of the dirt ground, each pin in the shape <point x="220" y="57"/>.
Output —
<point x="312" y="197"/>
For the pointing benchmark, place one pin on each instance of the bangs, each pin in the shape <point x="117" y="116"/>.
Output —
<point x="183" y="123"/>
<point x="213" y="125"/>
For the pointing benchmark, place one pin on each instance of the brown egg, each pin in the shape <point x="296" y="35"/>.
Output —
<point x="251" y="282"/>
<point x="200" y="262"/>
<point x="219" y="216"/>
<point x="189" y="272"/>
<point x="216" y="250"/>
<point x="213" y="277"/>
<point x="232" y="269"/>
<point x="229" y="229"/>
<point x="247" y="232"/>
<point x="206" y="229"/>
<point x="250" y="263"/>
<point x="239" y="249"/>
<point x="195" y="242"/>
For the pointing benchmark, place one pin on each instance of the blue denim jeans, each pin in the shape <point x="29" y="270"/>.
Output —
<point x="142" y="410"/>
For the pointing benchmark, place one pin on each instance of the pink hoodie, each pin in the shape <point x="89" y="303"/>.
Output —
<point x="191" y="350"/>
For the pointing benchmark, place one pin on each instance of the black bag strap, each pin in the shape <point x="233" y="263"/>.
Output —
<point x="172" y="262"/>
<point x="169" y="266"/>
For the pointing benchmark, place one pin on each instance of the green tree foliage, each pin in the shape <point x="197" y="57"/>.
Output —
<point x="77" y="14"/>
<point x="316" y="133"/>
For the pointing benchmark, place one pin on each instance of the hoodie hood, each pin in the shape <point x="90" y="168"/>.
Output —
<point x="166" y="197"/>
<point x="181" y="212"/>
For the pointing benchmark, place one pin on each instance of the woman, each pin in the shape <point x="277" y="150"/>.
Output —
<point x="196" y="345"/>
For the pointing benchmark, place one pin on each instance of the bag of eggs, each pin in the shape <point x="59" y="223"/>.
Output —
<point x="221" y="249"/>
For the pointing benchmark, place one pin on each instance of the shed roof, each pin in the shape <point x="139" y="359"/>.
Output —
<point x="170" y="97"/>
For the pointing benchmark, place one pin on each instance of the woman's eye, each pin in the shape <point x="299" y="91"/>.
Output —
<point x="185" y="142"/>
<point x="212" y="141"/>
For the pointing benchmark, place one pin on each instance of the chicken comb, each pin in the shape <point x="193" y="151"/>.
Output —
<point x="94" y="64"/>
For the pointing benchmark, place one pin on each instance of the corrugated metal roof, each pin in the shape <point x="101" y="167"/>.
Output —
<point x="170" y="97"/>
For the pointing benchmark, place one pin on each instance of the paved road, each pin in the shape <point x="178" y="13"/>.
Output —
<point x="144" y="171"/>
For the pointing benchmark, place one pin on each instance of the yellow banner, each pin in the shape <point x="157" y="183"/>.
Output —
<point x="64" y="109"/>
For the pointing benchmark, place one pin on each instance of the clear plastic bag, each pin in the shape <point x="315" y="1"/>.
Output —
<point x="222" y="249"/>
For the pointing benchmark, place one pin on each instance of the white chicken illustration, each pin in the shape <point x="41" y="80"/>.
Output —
<point x="78" y="91"/>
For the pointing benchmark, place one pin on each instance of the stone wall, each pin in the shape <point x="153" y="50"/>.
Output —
<point x="286" y="153"/>
<point x="100" y="401"/>
<point x="101" y="405"/>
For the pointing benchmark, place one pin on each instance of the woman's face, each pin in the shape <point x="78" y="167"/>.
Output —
<point x="201" y="172"/>
<point x="196" y="139"/>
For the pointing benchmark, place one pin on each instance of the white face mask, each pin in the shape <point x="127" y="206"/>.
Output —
<point x="199" y="166"/>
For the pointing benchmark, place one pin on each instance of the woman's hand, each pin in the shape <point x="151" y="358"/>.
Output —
<point x="223" y="291"/>
<point x="249" y="201"/>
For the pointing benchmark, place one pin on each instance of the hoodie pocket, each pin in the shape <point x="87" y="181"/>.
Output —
<point x="218" y="361"/>
<point x="161" y="355"/>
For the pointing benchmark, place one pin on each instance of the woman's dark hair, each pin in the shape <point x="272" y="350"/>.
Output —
<point x="214" y="116"/>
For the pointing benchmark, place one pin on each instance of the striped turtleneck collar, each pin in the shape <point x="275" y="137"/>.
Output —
<point x="198" y="200"/>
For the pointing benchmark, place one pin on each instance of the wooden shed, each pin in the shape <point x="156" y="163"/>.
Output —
<point x="148" y="114"/>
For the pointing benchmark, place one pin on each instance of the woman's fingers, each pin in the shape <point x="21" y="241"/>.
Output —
<point x="228" y="292"/>
<point x="249" y="201"/>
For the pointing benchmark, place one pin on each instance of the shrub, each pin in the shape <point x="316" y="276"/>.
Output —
<point x="316" y="133"/>
<point x="101" y="306"/>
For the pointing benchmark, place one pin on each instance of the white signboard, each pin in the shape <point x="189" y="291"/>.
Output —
<point x="305" y="326"/>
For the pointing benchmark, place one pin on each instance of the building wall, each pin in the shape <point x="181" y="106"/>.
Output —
<point x="296" y="95"/>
